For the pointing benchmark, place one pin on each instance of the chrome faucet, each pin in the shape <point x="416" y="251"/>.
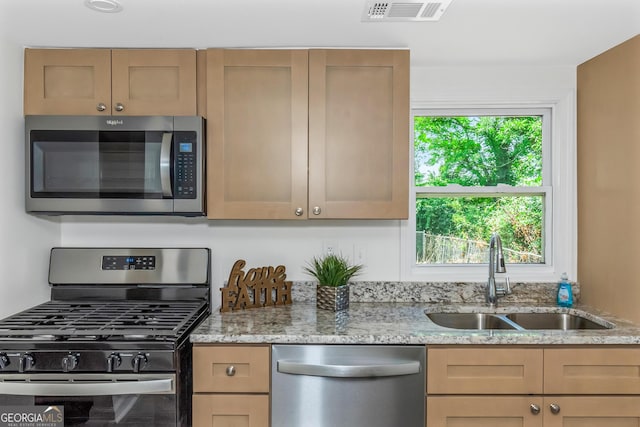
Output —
<point x="496" y="265"/>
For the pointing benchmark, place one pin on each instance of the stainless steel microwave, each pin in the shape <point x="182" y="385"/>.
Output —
<point x="115" y="165"/>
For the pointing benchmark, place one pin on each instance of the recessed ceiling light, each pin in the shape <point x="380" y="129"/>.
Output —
<point x="107" y="6"/>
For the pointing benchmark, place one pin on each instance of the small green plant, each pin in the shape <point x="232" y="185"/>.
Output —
<point x="332" y="270"/>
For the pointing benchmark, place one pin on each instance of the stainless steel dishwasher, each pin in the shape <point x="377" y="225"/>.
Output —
<point x="347" y="386"/>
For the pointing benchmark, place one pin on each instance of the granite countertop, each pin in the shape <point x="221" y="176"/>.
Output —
<point x="393" y="320"/>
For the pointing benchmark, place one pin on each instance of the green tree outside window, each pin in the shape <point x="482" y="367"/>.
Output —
<point x="472" y="152"/>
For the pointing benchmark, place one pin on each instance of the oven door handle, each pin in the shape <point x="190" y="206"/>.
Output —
<point x="165" y="164"/>
<point x="98" y="388"/>
<point x="349" y="371"/>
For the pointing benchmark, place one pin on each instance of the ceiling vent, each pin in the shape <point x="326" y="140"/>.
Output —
<point x="404" y="11"/>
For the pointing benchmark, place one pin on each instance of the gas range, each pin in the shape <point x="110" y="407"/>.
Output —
<point x="116" y="327"/>
<point x="86" y="336"/>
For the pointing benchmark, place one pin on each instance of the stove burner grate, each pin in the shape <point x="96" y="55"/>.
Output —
<point x="98" y="320"/>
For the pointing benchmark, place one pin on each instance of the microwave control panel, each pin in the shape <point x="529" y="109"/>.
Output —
<point x="185" y="166"/>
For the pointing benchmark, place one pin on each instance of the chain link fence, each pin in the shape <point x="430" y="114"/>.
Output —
<point x="434" y="249"/>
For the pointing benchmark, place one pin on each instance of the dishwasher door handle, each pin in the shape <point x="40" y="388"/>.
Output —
<point x="349" y="371"/>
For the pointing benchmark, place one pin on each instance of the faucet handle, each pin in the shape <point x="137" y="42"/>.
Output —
<point x="506" y="289"/>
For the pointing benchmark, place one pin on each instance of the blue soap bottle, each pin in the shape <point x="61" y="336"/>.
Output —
<point x="565" y="295"/>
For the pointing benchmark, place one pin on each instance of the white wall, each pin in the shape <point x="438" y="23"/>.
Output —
<point x="260" y="243"/>
<point x="292" y="243"/>
<point x="26" y="240"/>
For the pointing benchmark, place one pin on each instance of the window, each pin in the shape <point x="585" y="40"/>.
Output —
<point x="476" y="172"/>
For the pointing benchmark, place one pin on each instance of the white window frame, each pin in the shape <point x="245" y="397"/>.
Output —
<point x="559" y="187"/>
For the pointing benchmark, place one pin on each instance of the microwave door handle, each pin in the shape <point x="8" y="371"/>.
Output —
<point x="165" y="164"/>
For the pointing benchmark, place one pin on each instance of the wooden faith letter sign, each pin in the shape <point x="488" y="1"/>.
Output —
<point x="259" y="287"/>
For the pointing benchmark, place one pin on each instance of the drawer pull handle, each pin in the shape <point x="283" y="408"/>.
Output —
<point x="231" y="370"/>
<point x="555" y="409"/>
<point x="535" y="409"/>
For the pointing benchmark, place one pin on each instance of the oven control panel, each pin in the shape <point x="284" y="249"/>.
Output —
<point x="72" y="361"/>
<point x="129" y="262"/>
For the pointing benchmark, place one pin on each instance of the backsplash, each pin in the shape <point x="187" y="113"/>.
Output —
<point x="437" y="292"/>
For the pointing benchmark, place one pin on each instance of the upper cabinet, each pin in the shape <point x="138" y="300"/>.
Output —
<point x="110" y="82"/>
<point x="608" y="126"/>
<point x="297" y="134"/>
<point x="257" y="105"/>
<point x="358" y="133"/>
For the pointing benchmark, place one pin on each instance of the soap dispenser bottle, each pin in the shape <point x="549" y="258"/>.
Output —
<point x="565" y="295"/>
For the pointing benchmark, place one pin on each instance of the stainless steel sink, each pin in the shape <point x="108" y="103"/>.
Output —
<point x="562" y="321"/>
<point x="517" y="321"/>
<point x="469" y="321"/>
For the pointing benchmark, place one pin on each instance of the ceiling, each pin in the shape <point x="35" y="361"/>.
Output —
<point x="471" y="32"/>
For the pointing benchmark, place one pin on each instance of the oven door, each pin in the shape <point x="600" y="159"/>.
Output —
<point x="97" y="399"/>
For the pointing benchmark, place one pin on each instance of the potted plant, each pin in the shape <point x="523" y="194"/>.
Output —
<point x="333" y="273"/>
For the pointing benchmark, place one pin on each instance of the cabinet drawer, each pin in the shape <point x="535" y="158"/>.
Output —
<point x="592" y="371"/>
<point x="223" y="410"/>
<point x="233" y="369"/>
<point x="480" y="370"/>
<point x="484" y="411"/>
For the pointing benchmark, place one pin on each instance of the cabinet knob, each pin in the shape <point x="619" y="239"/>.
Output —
<point x="535" y="409"/>
<point x="555" y="409"/>
<point x="119" y="107"/>
<point x="317" y="210"/>
<point x="101" y="107"/>
<point x="231" y="370"/>
<point x="299" y="212"/>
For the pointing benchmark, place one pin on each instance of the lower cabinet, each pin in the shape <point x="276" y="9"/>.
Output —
<point x="596" y="411"/>
<point x="230" y="410"/>
<point x="467" y="386"/>
<point x="484" y="411"/>
<point x="533" y="411"/>
<point x="506" y="386"/>
<point x="231" y="385"/>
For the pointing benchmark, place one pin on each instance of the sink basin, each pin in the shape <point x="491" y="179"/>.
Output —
<point x="517" y="321"/>
<point x="469" y="321"/>
<point x="562" y="321"/>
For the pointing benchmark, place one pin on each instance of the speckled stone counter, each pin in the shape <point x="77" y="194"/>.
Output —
<point x="405" y="322"/>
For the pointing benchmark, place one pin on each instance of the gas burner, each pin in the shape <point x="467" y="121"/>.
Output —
<point x="102" y="320"/>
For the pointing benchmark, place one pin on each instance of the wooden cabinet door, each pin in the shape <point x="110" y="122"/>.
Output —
<point x="231" y="369"/>
<point x="257" y="112"/>
<point x="225" y="410"/>
<point x="592" y="371"/>
<point x="492" y="370"/>
<point x="358" y="133"/>
<point x="154" y="82"/>
<point x="67" y="81"/>
<point x="484" y="411"/>
<point x="596" y="411"/>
